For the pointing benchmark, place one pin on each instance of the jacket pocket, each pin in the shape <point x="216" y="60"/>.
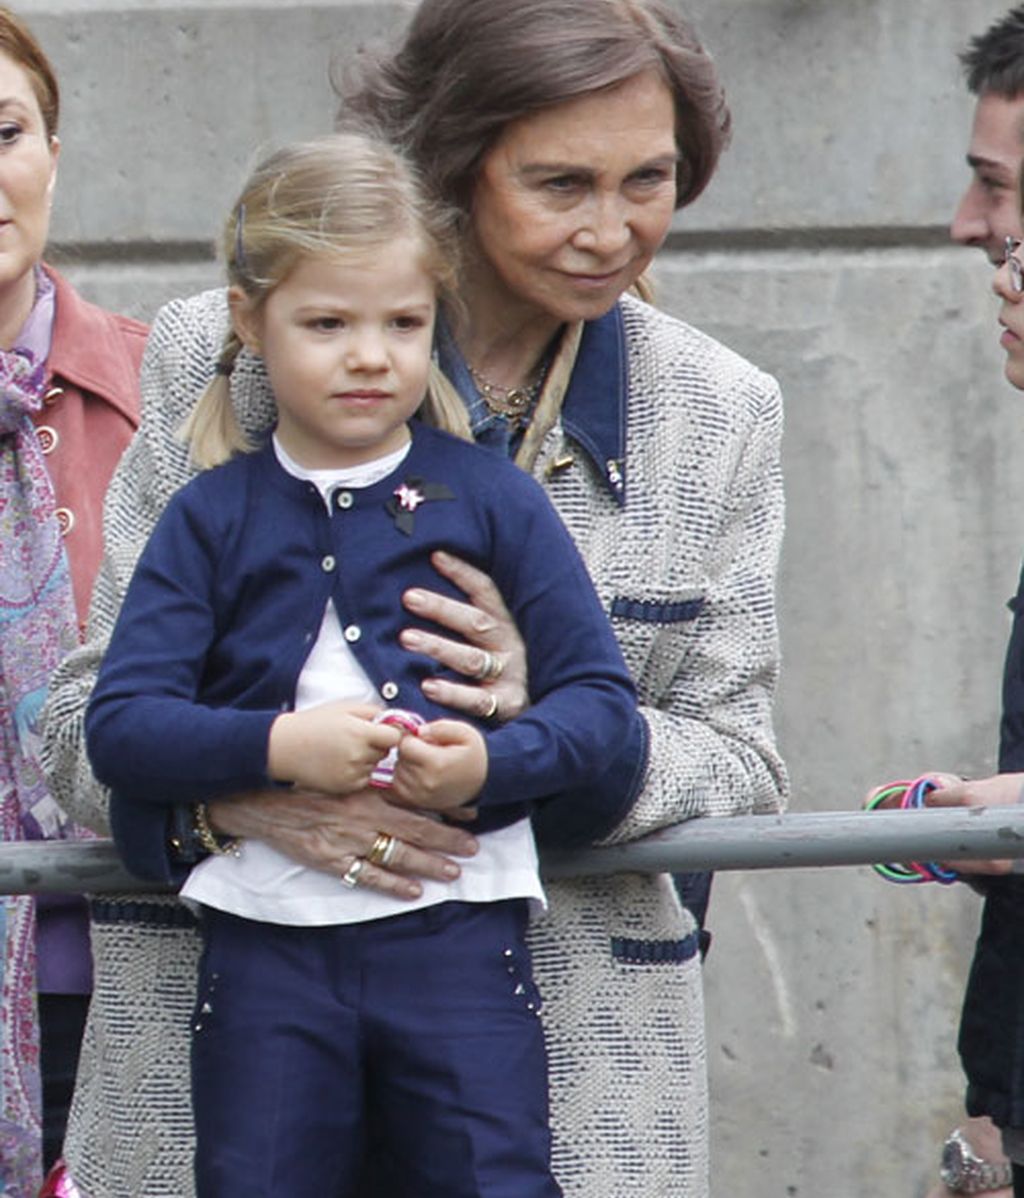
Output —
<point x="655" y="632"/>
<point x="628" y="951"/>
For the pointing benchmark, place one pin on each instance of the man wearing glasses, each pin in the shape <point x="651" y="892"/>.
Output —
<point x="974" y="1158"/>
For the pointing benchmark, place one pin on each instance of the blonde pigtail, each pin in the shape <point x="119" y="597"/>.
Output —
<point x="443" y="406"/>
<point x="211" y="429"/>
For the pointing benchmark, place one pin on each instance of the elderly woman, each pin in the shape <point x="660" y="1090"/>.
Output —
<point x="68" y="407"/>
<point x="566" y="132"/>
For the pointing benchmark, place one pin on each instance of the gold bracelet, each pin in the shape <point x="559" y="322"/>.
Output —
<point x="214" y="844"/>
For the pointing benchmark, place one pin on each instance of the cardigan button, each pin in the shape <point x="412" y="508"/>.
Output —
<point x="389" y="691"/>
<point x="352" y="633"/>
<point x="345" y="500"/>
<point x="327" y="563"/>
<point x="51" y="396"/>
<point x="49" y="438"/>
<point x="65" y="520"/>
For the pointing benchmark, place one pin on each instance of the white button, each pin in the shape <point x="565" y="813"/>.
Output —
<point x="352" y="633"/>
<point x="51" y="397"/>
<point x="327" y="564"/>
<point x="345" y="499"/>
<point x="389" y="690"/>
<point x="49" y="439"/>
<point x="65" y="520"/>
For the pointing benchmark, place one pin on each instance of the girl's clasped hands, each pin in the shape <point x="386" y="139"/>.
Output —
<point x="335" y="748"/>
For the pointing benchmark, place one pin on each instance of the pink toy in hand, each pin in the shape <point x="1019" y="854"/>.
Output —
<point x="384" y="771"/>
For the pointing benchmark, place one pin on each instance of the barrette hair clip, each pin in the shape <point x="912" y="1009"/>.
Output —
<point x="240" y="260"/>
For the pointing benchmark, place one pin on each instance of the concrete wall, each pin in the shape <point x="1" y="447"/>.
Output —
<point x="820" y="252"/>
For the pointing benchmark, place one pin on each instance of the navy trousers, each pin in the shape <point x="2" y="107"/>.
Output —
<point x="415" y="1038"/>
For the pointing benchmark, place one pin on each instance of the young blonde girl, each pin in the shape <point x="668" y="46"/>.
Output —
<point x="258" y="645"/>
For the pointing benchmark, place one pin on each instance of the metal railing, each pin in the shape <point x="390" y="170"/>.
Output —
<point x="741" y="842"/>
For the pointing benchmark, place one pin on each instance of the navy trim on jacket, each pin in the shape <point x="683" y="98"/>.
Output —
<point x="594" y="406"/>
<point x="594" y="414"/>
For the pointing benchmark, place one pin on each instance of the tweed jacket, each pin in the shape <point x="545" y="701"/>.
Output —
<point x="681" y="535"/>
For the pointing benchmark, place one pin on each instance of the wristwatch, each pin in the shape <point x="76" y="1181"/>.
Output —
<point x="964" y="1172"/>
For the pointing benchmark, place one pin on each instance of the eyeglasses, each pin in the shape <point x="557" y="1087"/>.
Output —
<point x="1010" y="247"/>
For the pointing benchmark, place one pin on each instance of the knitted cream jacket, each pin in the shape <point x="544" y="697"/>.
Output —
<point x="613" y="957"/>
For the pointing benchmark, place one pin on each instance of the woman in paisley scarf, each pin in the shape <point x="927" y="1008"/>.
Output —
<point x="68" y="407"/>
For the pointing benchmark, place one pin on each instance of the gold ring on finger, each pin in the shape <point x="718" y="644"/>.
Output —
<point x="383" y="849"/>
<point x="351" y="875"/>
<point x="495" y="666"/>
<point x="492" y="707"/>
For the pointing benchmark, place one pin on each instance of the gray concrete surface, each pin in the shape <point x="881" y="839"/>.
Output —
<point x="820" y="252"/>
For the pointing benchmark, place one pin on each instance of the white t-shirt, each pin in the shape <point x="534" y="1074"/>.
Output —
<point x="263" y="884"/>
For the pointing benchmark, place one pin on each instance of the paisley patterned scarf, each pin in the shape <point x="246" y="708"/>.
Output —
<point x="38" y="626"/>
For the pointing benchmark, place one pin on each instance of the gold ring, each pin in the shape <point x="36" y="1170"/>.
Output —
<point x="351" y="875"/>
<point x="492" y="708"/>
<point x="495" y="666"/>
<point x="383" y="849"/>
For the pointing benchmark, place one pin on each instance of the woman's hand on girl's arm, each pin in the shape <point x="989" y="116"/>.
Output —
<point x="493" y="640"/>
<point x="328" y="832"/>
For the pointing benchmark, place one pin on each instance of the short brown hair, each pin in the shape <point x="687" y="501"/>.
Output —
<point x="467" y="68"/>
<point x="19" y="44"/>
<point x="993" y="62"/>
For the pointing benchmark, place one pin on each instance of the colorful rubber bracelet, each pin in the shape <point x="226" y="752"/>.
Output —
<point x="913" y="872"/>
<point x="931" y="871"/>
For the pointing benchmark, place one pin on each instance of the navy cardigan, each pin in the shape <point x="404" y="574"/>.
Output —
<point x="227" y="600"/>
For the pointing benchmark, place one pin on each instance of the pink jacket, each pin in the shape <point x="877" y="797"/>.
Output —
<point x="89" y="415"/>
